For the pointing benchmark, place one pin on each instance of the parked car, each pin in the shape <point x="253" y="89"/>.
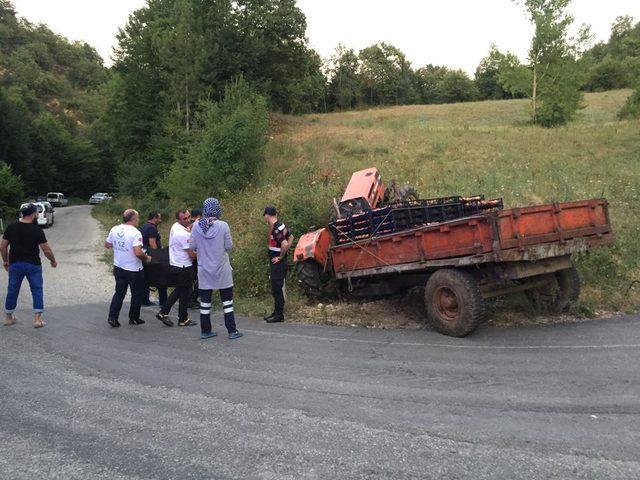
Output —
<point x="45" y="213"/>
<point x="49" y="208"/>
<point x="99" y="198"/>
<point x="57" y="199"/>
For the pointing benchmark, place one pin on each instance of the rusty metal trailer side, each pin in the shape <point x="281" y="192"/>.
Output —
<point x="514" y="235"/>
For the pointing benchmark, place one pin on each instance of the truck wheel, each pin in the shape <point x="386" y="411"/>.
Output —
<point x="408" y="194"/>
<point x="562" y="289"/>
<point x="454" y="304"/>
<point x="308" y="273"/>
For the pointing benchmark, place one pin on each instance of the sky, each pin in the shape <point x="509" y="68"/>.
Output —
<point x="455" y="33"/>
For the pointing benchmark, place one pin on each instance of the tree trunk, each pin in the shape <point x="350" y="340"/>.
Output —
<point x="534" y="94"/>
<point x="186" y="104"/>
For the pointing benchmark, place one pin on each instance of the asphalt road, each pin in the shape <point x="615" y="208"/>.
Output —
<point x="81" y="400"/>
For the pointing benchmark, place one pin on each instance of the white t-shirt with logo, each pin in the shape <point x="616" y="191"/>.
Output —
<point x="179" y="241"/>
<point x="124" y="238"/>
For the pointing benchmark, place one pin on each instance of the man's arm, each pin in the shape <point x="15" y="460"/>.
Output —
<point x="284" y="248"/>
<point x="192" y="253"/>
<point x="108" y="245"/>
<point x="46" y="249"/>
<point x="4" y="250"/>
<point x="137" y="250"/>
<point x="152" y="243"/>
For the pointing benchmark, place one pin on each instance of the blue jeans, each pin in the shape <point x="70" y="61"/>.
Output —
<point x="17" y="272"/>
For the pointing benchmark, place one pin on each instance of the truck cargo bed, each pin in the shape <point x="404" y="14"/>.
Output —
<point x="529" y="233"/>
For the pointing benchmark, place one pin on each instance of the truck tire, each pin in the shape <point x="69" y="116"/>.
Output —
<point x="309" y="278"/>
<point x="562" y="289"/>
<point x="408" y="194"/>
<point x="454" y="304"/>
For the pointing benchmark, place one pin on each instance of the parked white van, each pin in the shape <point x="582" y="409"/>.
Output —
<point x="45" y="213"/>
<point x="57" y="199"/>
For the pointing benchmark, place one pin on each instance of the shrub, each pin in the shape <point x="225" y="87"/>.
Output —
<point x="11" y="192"/>
<point x="631" y="109"/>
<point x="227" y="146"/>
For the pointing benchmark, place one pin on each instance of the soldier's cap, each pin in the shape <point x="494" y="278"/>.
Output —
<point x="270" y="210"/>
<point x="28" y="209"/>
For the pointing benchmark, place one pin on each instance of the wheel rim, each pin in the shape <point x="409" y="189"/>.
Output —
<point x="446" y="304"/>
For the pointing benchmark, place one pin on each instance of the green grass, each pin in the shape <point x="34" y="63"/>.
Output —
<point x="468" y="148"/>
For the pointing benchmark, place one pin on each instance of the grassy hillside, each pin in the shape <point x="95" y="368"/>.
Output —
<point x="469" y="148"/>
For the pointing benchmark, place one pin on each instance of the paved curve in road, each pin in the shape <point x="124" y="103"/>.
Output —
<point x="81" y="400"/>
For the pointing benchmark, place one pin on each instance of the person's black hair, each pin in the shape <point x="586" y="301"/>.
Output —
<point x="270" y="210"/>
<point x="153" y="215"/>
<point x="196" y="212"/>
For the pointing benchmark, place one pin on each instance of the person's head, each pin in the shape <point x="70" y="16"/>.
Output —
<point x="28" y="213"/>
<point x="270" y="214"/>
<point x="154" y="217"/>
<point x="183" y="217"/>
<point x="131" y="217"/>
<point x="196" y="214"/>
<point x="212" y="208"/>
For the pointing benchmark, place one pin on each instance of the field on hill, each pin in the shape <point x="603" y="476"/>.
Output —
<point x="460" y="149"/>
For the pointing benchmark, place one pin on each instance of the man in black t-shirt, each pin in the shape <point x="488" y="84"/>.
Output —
<point x="20" y="248"/>
<point x="151" y="240"/>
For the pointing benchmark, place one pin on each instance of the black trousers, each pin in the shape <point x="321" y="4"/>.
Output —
<point x="127" y="280"/>
<point x="226" y="296"/>
<point x="277" y="274"/>
<point x="182" y="292"/>
<point x="195" y="289"/>
<point x="162" y="294"/>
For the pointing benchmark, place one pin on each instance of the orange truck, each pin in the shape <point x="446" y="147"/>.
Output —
<point x="461" y="250"/>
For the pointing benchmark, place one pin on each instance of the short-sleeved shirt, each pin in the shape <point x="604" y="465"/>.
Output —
<point x="124" y="238"/>
<point x="179" y="242"/>
<point x="150" y="230"/>
<point x="279" y="233"/>
<point x="24" y="242"/>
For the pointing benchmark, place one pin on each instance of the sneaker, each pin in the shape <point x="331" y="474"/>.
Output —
<point x="276" y="319"/>
<point x="187" y="323"/>
<point x="164" y="319"/>
<point x="207" y="335"/>
<point x="136" y="321"/>
<point x="234" y="335"/>
<point x="113" y="322"/>
<point x="269" y="317"/>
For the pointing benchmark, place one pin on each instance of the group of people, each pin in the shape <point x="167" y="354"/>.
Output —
<point x="196" y="236"/>
<point x="199" y="245"/>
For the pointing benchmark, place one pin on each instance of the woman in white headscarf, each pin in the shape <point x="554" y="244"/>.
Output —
<point x="211" y="239"/>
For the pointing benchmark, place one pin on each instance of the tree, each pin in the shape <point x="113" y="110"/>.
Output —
<point x="428" y="80"/>
<point x="11" y="191"/>
<point x="227" y="148"/>
<point x="344" y="90"/>
<point x="553" y="77"/>
<point x="631" y="108"/>
<point x="487" y="76"/>
<point x="456" y="86"/>
<point x="386" y="75"/>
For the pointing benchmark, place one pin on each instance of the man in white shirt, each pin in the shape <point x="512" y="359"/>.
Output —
<point x="126" y="242"/>
<point x="181" y="257"/>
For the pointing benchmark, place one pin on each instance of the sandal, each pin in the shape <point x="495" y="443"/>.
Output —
<point x="8" y="323"/>
<point x="39" y="324"/>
